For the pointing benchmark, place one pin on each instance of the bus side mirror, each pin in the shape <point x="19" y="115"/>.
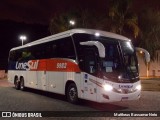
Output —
<point x="99" y="45"/>
<point x="146" y="53"/>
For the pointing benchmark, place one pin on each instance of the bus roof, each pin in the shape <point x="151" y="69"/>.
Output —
<point x="71" y="32"/>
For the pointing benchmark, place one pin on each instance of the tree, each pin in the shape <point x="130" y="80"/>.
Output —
<point x="86" y="19"/>
<point x="59" y="23"/>
<point x="121" y="18"/>
<point x="82" y="18"/>
<point x="150" y="27"/>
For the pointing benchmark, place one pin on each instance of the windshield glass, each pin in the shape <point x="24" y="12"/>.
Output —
<point x="130" y="60"/>
<point x="120" y="63"/>
<point x="111" y="65"/>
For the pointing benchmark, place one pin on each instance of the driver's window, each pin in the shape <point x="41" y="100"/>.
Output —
<point x="88" y="61"/>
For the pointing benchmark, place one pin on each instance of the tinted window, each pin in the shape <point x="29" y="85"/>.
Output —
<point x="14" y="55"/>
<point x="62" y="48"/>
<point x="80" y="38"/>
<point x="65" y="48"/>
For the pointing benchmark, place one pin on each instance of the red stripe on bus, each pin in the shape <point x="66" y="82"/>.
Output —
<point x="56" y="65"/>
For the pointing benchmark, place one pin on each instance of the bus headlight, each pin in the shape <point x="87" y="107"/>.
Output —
<point x="107" y="87"/>
<point x="138" y="87"/>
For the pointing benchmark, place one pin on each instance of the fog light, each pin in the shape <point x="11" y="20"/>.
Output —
<point x="107" y="87"/>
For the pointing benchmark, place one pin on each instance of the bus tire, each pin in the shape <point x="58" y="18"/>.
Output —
<point x="72" y="93"/>
<point x="17" y="83"/>
<point x="22" y="87"/>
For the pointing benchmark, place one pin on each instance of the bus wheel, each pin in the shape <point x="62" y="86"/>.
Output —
<point x="17" y="84"/>
<point x="22" y="84"/>
<point x="72" y="94"/>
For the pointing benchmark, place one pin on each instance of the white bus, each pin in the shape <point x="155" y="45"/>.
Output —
<point x="80" y="63"/>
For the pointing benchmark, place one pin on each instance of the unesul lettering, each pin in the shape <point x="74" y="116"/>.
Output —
<point x="27" y="65"/>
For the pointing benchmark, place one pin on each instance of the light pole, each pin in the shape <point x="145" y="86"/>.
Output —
<point x="22" y="38"/>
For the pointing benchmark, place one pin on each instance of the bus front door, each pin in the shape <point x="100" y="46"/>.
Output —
<point x="88" y="78"/>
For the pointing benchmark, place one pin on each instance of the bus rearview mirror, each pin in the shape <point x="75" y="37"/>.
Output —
<point x="146" y="53"/>
<point x="99" y="45"/>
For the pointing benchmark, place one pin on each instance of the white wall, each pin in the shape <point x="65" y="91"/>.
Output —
<point x="154" y="66"/>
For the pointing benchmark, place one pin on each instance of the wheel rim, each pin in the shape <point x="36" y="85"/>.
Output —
<point x="72" y="93"/>
<point x="16" y="84"/>
<point x="22" y="86"/>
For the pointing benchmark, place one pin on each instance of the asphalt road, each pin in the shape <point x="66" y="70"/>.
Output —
<point x="33" y="100"/>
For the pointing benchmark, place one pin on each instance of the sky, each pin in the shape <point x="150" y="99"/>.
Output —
<point x="32" y="18"/>
<point x="40" y="11"/>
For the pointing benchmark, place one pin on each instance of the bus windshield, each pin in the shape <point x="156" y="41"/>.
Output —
<point x="130" y="60"/>
<point x="120" y="62"/>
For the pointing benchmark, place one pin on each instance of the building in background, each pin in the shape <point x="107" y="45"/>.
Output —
<point x="152" y="70"/>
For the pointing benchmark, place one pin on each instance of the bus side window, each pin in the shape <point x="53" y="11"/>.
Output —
<point x="87" y="61"/>
<point x="50" y="49"/>
<point x="38" y="51"/>
<point x="90" y="65"/>
<point x="66" y="48"/>
<point x="14" y="55"/>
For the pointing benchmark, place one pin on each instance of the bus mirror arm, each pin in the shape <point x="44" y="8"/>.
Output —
<point x="147" y="55"/>
<point x="99" y="45"/>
